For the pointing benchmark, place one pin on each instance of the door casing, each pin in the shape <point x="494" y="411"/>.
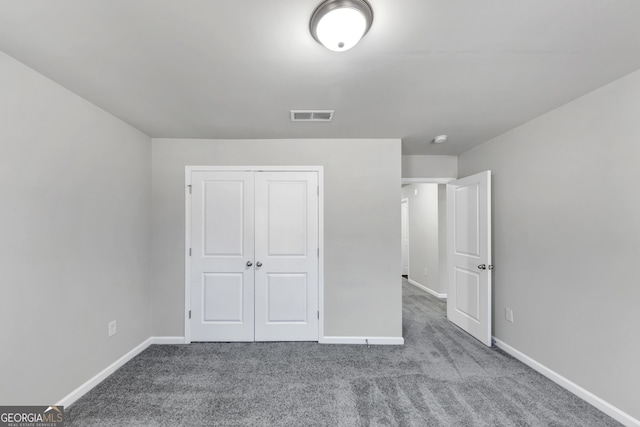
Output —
<point x="187" y="259"/>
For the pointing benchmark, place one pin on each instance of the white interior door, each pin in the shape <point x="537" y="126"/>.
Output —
<point x="287" y="255"/>
<point x="222" y="247"/>
<point x="469" y="254"/>
<point x="404" y="227"/>
<point x="254" y="261"/>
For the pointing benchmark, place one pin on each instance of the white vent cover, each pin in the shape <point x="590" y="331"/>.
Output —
<point x="311" y="115"/>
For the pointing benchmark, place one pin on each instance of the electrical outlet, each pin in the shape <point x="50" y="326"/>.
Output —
<point x="112" y="328"/>
<point x="425" y="272"/>
<point x="508" y="313"/>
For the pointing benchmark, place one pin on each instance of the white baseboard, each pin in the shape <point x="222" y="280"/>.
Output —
<point x="102" y="375"/>
<point x="99" y="377"/>
<point x="424" y="288"/>
<point x="574" y="388"/>
<point x="167" y="340"/>
<point x="363" y="340"/>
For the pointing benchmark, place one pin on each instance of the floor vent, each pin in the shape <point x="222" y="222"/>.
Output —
<point x="311" y="115"/>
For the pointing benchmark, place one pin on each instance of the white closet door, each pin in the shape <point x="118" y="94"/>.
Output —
<point x="286" y="255"/>
<point x="222" y="239"/>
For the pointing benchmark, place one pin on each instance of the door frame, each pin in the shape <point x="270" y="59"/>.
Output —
<point x="188" y="170"/>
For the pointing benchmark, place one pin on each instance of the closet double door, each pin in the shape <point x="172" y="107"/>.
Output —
<point x="254" y="256"/>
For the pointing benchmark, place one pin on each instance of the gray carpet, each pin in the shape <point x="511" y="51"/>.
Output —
<point x="440" y="377"/>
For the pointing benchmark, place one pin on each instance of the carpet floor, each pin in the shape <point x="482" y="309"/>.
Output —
<point x="440" y="377"/>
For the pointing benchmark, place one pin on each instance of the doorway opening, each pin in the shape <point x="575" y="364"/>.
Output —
<point x="423" y="209"/>
<point x="404" y="211"/>
<point x="462" y="210"/>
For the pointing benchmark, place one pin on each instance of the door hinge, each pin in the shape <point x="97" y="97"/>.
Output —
<point x="189" y="188"/>
<point x="318" y="314"/>
<point x="189" y="314"/>
<point x="318" y="252"/>
<point x="189" y="251"/>
<point x="318" y="190"/>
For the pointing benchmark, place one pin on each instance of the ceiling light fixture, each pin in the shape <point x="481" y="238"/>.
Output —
<point x="440" y="139"/>
<point x="340" y="24"/>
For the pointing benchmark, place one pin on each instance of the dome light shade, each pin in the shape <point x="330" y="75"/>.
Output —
<point x="340" y="24"/>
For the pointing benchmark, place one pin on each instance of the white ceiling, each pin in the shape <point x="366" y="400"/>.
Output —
<point x="472" y="69"/>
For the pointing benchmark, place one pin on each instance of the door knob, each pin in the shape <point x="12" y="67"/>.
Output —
<point x="482" y="266"/>
<point x="258" y="264"/>
<point x="249" y="263"/>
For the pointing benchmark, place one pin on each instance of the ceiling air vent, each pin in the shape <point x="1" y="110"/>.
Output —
<point x="311" y="115"/>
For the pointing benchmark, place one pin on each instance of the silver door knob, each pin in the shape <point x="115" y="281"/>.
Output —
<point x="258" y="264"/>
<point x="482" y="266"/>
<point x="249" y="263"/>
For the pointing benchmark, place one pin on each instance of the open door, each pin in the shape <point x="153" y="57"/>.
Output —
<point x="469" y="254"/>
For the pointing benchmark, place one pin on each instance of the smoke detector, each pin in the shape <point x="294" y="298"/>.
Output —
<point x="440" y="139"/>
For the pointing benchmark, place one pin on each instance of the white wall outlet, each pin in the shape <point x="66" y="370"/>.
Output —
<point x="508" y="313"/>
<point x="112" y="328"/>
<point x="425" y="272"/>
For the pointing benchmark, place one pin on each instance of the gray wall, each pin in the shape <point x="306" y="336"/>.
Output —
<point x="417" y="166"/>
<point x="362" y="225"/>
<point x="566" y="234"/>
<point x="74" y="252"/>
<point x="424" y="248"/>
<point x="443" y="281"/>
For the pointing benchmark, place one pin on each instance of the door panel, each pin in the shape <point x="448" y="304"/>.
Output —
<point x="467" y="293"/>
<point x="287" y="298"/>
<point x="222" y="236"/>
<point x="466" y="220"/>
<point x="286" y="219"/>
<point x="286" y="285"/>
<point x="223" y="222"/>
<point x="469" y="254"/>
<point x="222" y="297"/>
